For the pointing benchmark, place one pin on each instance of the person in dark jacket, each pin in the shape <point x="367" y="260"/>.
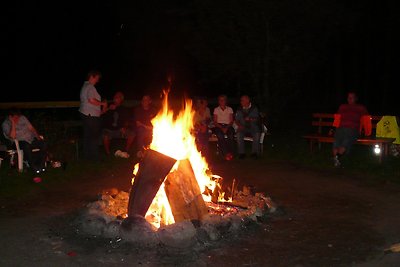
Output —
<point x="117" y="123"/>
<point x="247" y="120"/>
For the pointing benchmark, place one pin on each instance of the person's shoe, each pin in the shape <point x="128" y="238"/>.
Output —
<point x="228" y="156"/>
<point x="336" y="162"/>
<point x="254" y="156"/>
<point x="242" y="156"/>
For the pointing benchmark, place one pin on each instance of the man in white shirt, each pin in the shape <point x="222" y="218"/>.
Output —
<point x="223" y="120"/>
<point x="90" y="109"/>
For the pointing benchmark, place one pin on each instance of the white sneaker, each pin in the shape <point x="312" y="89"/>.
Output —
<point x="336" y="162"/>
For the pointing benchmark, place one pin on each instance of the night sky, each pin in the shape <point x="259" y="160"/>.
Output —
<point x="286" y="54"/>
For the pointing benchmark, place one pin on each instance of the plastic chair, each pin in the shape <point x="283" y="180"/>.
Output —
<point x="20" y="155"/>
<point x="262" y="137"/>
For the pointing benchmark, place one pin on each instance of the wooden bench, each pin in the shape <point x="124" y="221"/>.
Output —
<point x="324" y="123"/>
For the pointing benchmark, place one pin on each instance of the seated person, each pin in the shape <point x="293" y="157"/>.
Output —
<point x="223" y="121"/>
<point x="18" y="127"/>
<point x="347" y="132"/>
<point x="201" y="121"/>
<point x="144" y="113"/>
<point x="116" y="123"/>
<point x="248" y="122"/>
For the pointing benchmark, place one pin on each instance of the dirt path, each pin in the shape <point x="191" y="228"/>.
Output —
<point x="329" y="219"/>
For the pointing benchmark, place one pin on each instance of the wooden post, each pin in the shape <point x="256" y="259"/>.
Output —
<point x="152" y="172"/>
<point x="184" y="194"/>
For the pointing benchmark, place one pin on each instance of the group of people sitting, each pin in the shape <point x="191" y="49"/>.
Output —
<point x="227" y="125"/>
<point x="106" y="121"/>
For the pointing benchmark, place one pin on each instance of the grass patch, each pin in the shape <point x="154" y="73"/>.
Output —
<point x="21" y="185"/>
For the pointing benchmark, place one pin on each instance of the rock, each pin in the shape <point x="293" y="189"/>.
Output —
<point x="112" y="229"/>
<point x="93" y="225"/>
<point x="178" y="235"/>
<point x="136" y="229"/>
<point x="99" y="213"/>
<point x="100" y="205"/>
<point x="210" y="224"/>
<point x="202" y="235"/>
<point x="236" y="223"/>
<point x="211" y="231"/>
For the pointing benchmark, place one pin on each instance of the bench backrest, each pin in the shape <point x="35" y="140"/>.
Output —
<point x="321" y="120"/>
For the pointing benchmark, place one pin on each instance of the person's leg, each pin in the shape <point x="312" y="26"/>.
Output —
<point x="86" y="136"/>
<point x="94" y="135"/>
<point x="240" y="142"/>
<point x="106" y="142"/>
<point x="130" y="137"/>
<point x="221" y="141"/>
<point x="27" y="149"/>
<point x="350" y="139"/>
<point x="148" y="138"/>
<point x="140" y="138"/>
<point x="39" y="157"/>
<point x="230" y="139"/>
<point x="255" y="134"/>
<point x="203" y="143"/>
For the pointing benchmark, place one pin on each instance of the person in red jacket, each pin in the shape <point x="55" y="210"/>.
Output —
<point x="347" y="132"/>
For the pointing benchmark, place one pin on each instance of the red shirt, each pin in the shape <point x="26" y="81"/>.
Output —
<point x="350" y="115"/>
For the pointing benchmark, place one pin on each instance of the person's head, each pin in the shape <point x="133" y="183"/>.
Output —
<point x="202" y="104"/>
<point x="352" y="98"/>
<point x="94" y="76"/>
<point x="146" y="101"/>
<point x="118" y="98"/>
<point x="245" y="101"/>
<point x="14" y="113"/>
<point x="222" y="99"/>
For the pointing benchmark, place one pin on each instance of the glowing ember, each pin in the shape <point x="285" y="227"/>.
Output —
<point x="173" y="137"/>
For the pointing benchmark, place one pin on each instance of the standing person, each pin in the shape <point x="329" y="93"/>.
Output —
<point x="144" y="113"/>
<point x="201" y="121"/>
<point x="349" y="126"/>
<point x="91" y="109"/>
<point x="248" y="122"/>
<point x="223" y="120"/>
<point x="116" y="123"/>
<point x="18" y="127"/>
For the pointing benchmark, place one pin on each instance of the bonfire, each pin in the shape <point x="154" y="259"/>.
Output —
<point x="174" y="194"/>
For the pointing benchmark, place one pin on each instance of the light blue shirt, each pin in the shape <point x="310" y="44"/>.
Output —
<point x="22" y="129"/>
<point x="88" y="91"/>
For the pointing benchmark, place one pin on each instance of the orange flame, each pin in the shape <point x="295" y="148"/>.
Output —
<point x="173" y="137"/>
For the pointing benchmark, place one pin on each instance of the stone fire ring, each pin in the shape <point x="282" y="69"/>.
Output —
<point x="104" y="218"/>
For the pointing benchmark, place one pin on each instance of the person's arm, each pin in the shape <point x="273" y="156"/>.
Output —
<point x="230" y="119"/>
<point x="216" y="121"/>
<point x="93" y="98"/>
<point x="9" y="129"/>
<point x="31" y="128"/>
<point x="238" y="120"/>
<point x="254" y="116"/>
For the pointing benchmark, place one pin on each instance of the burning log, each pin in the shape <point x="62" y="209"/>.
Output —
<point x="184" y="194"/>
<point x="152" y="172"/>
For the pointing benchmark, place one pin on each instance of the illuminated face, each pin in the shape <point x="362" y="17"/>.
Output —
<point x="118" y="98"/>
<point x="146" y="101"/>
<point x="222" y="101"/>
<point x="245" y="101"/>
<point x="94" y="79"/>
<point x="14" y="117"/>
<point x="351" y="98"/>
